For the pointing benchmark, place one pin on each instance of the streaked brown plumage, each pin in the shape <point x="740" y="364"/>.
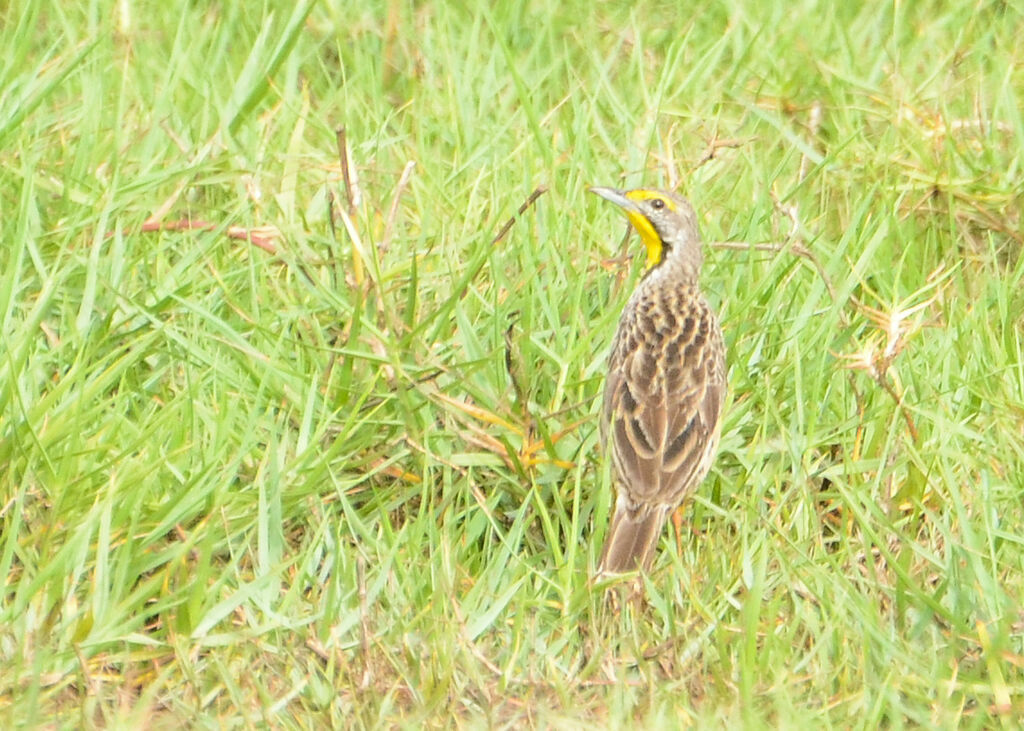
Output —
<point x="666" y="381"/>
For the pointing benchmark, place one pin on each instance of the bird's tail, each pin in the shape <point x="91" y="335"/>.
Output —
<point x="631" y="540"/>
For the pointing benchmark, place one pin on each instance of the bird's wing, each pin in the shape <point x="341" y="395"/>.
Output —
<point x="664" y="410"/>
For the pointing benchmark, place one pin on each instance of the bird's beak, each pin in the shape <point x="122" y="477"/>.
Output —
<point x="643" y="226"/>
<point x="618" y="197"/>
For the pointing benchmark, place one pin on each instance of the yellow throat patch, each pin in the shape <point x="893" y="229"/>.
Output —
<point x="650" y="237"/>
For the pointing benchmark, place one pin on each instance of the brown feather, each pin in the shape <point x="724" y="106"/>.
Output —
<point x="631" y="541"/>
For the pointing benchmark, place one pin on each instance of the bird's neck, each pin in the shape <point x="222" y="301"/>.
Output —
<point x="681" y="265"/>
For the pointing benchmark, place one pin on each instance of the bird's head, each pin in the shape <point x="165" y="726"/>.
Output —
<point x="665" y="221"/>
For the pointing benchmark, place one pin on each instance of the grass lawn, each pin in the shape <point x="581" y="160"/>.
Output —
<point x="296" y="432"/>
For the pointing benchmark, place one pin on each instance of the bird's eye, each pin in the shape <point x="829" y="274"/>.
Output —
<point x="657" y="204"/>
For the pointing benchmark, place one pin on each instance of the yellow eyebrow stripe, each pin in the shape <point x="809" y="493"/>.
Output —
<point x="645" y="195"/>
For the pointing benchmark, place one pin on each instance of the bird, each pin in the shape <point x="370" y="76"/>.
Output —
<point x="666" y="383"/>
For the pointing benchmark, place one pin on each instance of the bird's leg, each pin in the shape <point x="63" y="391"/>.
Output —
<point x="677" y="523"/>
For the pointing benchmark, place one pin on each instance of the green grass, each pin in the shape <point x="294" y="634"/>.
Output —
<point x="300" y="488"/>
